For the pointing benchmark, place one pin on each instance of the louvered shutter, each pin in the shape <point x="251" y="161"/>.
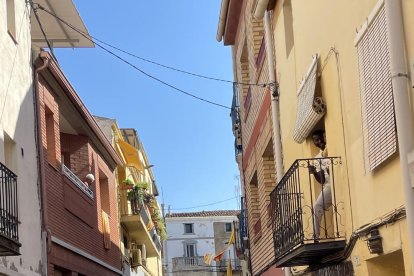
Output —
<point x="380" y="137"/>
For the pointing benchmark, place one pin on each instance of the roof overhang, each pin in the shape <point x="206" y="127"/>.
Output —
<point x="58" y="34"/>
<point x="229" y="21"/>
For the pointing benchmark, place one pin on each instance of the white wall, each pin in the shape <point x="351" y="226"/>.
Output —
<point x="17" y="123"/>
<point x="203" y="236"/>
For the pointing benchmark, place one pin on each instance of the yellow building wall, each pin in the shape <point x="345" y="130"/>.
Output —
<point x="325" y="26"/>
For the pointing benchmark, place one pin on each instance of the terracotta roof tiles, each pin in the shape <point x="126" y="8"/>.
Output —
<point x="216" y="213"/>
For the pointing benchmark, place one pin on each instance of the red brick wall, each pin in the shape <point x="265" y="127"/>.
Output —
<point x="73" y="216"/>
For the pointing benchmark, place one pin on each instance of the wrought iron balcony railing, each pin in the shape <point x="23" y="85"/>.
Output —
<point x="223" y="264"/>
<point x="9" y="221"/>
<point x="302" y="214"/>
<point x="243" y="225"/>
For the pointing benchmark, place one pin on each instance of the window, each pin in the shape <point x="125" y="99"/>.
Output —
<point x="188" y="228"/>
<point x="190" y="250"/>
<point x="228" y="227"/>
<point x="377" y="104"/>
<point x="11" y="22"/>
<point x="50" y="136"/>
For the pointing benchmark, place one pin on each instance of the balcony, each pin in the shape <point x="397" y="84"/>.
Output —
<point x="243" y="227"/>
<point x="189" y="263"/>
<point x="235" y="265"/>
<point x="75" y="180"/>
<point x="9" y="222"/>
<point x="295" y="224"/>
<point x="137" y="219"/>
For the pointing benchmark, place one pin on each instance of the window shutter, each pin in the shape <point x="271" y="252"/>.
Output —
<point x="380" y="137"/>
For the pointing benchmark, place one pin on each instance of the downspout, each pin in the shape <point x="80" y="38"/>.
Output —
<point x="260" y="8"/>
<point x="277" y="143"/>
<point x="41" y="169"/>
<point x="403" y="113"/>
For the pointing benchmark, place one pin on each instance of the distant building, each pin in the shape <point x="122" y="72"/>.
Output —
<point x="141" y="227"/>
<point x="193" y="235"/>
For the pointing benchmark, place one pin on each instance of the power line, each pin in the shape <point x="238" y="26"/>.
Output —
<point x="160" y="64"/>
<point x="42" y="29"/>
<point x="209" y="204"/>
<point x="129" y="63"/>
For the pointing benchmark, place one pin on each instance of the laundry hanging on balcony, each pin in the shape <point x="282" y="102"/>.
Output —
<point x="310" y="109"/>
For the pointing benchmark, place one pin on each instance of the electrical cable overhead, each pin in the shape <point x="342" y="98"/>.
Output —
<point x="209" y="204"/>
<point x="129" y="63"/>
<point x="41" y="28"/>
<point x="163" y="65"/>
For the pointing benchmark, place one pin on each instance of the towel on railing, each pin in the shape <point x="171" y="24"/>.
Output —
<point x="106" y="230"/>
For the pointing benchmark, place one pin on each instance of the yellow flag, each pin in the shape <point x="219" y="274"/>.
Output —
<point x="229" y="269"/>
<point x="208" y="258"/>
<point x="231" y="240"/>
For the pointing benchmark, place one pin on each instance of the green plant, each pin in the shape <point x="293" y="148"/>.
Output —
<point x="127" y="181"/>
<point x="143" y="185"/>
<point x="135" y="194"/>
<point x="161" y="229"/>
<point x="149" y="199"/>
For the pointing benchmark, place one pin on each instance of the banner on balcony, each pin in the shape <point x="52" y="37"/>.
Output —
<point x="310" y="109"/>
<point x="219" y="256"/>
<point x="208" y="258"/>
<point x="106" y="230"/>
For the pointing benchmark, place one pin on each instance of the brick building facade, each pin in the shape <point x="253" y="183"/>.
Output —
<point x="79" y="189"/>
<point x="252" y="128"/>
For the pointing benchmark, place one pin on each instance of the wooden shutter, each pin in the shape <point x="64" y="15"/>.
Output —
<point x="380" y="137"/>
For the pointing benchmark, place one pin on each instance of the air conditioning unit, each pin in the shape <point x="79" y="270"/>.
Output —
<point x="135" y="253"/>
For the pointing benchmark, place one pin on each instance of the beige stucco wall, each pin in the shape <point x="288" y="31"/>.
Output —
<point x="17" y="122"/>
<point x="317" y="27"/>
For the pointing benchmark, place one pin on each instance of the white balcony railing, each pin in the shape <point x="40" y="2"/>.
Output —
<point x="79" y="183"/>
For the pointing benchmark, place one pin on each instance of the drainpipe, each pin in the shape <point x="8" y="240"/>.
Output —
<point x="277" y="143"/>
<point x="41" y="169"/>
<point x="260" y="9"/>
<point x="403" y="113"/>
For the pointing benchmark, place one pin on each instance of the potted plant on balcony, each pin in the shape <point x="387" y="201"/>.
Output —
<point x="127" y="184"/>
<point x="135" y="196"/>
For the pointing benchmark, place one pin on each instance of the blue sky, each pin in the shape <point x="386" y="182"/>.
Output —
<point x="189" y="142"/>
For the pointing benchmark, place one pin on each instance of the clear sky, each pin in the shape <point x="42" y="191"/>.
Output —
<point x="189" y="142"/>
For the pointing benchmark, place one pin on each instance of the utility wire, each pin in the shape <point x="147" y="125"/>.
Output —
<point x="209" y="204"/>
<point x="163" y="65"/>
<point x="170" y="67"/>
<point x="42" y="29"/>
<point x="129" y="63"/>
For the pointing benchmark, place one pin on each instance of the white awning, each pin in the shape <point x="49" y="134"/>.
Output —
<point x="310" y="109"/>
<point x="59" y="35"/>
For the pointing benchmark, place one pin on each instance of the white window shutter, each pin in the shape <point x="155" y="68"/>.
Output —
<point x="380" y="137"/>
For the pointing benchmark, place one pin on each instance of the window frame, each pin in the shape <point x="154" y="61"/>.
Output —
<point x="225" y="227"/>
<point x="192" y="228"/>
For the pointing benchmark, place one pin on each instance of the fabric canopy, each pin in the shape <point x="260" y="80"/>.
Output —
<point x="131" y="155"/>
<point x="310" y="109"/>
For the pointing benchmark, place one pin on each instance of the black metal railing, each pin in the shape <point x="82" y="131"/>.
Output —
<point x="301" y="212"/>
<point x="235" y="120"/>
<point x="9" y="221"/>
<point x="243" y="225"/>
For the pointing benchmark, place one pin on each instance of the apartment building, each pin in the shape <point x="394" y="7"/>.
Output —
<point x="142" y="227"/>
<point x="22" y="240"/>
<point x="193" y="235"/>
<point x="78" y="181"/>
<point x="344" y="69"/>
